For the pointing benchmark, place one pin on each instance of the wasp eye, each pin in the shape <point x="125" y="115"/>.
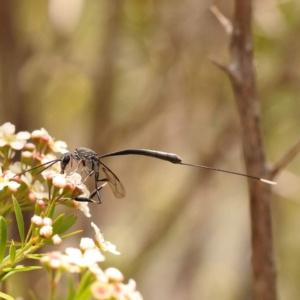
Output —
<point x="66" y="158"/>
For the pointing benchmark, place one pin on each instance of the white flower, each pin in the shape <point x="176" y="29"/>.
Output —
<point x="54" y="260"/>
<point x="38" y="190"/>
<point x="15" y="167"/>
<point x="82" y="191"/>
<point x="13" y="186"/>
<point x="53" y="169"/>
<point x="36" y="187"/>
<point x="7" y="174"/>
<point x="8" y="137"/>
<point x="5" y="180"/>
<point x="59" y="146"/>
<point x="87" y="243"/>
<point x="74" y="260"/>
<point x="130" y="290"/>
<point x="96" y="270"/>
<point x="89" y="257"/>
<point x="102" y="244"/>
<point x="101" y="290"/>
<point x="84" y="207"/>
<point x="135" y="296"/>
<point x="75" y="179"/>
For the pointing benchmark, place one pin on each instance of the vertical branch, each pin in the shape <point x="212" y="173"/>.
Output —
<point x="245" y="93"/>
<point x="242" y="75"/>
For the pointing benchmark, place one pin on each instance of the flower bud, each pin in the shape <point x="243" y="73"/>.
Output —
<point x="59" y="181"/>
<point x="101" y="290"/>
<point x="47" y="221"/>
<point x="40" y="203"/>
<point x="29" y="147"/>
<point x="114" y="274"/>
<point x="37" y="220"/>
<point x="46" y="231"/>
<point x="56" y="239"/>
<point x="36" y="134"/>
<point x="31" y="197"/>
<point x="87" y="243"/>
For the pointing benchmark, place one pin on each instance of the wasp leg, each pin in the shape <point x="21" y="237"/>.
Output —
<point x="95" y="192"/>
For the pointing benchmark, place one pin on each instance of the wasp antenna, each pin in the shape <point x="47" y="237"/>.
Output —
<point x="52" y="162"/>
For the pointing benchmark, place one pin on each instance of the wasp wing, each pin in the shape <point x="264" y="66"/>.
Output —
<point x="113" y="181"/>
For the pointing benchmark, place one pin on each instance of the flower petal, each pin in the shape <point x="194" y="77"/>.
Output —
<point x="2" y="142"/>
<point x="8" y="128"/>
<point x="17" y="145"/>
<point x="23" y="135"/>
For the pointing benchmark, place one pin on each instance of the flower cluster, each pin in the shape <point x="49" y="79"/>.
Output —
<point x="106" y="284"/>
<point x="36" y="182"/>
<point x="22" y="178"/>
<point x="113" y="288"/>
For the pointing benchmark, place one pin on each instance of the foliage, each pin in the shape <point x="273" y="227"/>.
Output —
<point x="24" y="186"/>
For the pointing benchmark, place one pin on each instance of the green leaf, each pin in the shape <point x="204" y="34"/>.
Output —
<point x="18" y="269"/>
<point x="50" y="242"/>
<point x="6" y="210"/>
<point x="3" y="237"/>
<point x="12" y="252"/>
<point x="57" y="223"/>
<point x="72" y="291"/>
<point x="32" y="295"/>
<point x="34" y="256"/>
<point x="68" y="222"/>
<point x="85" y="294"/>
<point x="71" y="234"/>
<point x="7" y="259"/>
<point x="84" y="288"/>
<point x="52" y="209"/>
<point x="5" y="296"/>
<point x="19" y="217"/>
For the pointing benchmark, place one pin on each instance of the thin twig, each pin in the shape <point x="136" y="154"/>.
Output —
<point x="286" y="159"/>
<point x="222" y="66"/>
<point x="222" y="19"/>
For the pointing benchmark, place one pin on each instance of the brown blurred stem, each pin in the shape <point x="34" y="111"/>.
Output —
<point x="286" y="159"/>
<point x="105" y="73"/>
<point x="242" y="77"/>
<point x="12" y="57"/>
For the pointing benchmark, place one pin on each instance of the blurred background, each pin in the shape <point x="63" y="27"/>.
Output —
<point x="111" y="75"/>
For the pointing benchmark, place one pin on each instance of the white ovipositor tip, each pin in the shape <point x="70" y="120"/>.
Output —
<point x="268" y="181"/>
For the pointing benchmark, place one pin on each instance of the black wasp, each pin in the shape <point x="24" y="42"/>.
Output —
<point x="92" y="164"/>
